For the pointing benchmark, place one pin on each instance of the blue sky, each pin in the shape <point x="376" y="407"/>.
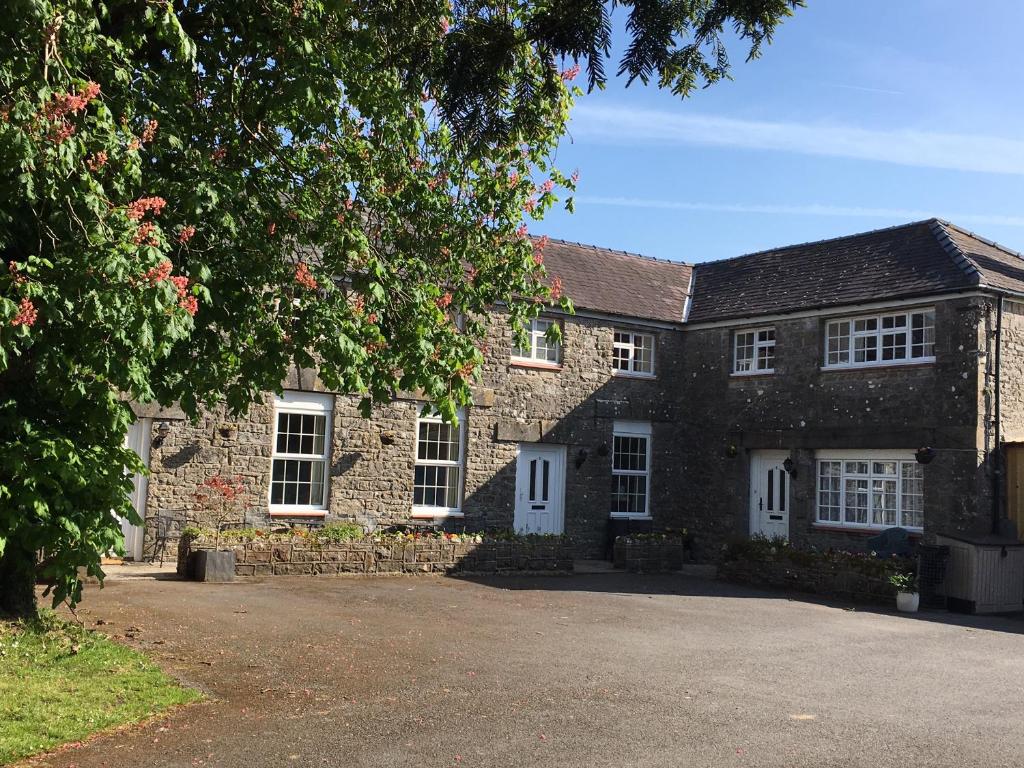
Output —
<point x="860" y="115"/>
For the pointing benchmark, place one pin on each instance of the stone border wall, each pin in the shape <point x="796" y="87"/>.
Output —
<point x="648" y="555"/>
<point x="281" y="558"/>
<point x="823" y="579"/>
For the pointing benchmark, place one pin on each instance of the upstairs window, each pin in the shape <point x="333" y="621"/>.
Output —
<point x="437" y="480"/>
<point x="633" y="353"/>
<point x="540" y="349"/>
<point x="754" y="351"/>
<point x="880" y="339"/>
<point x="301" y="451"/>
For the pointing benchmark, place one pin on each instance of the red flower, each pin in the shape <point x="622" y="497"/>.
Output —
<point x="556" y="288"/>
<point x="97" y="161"/>
<point x="146" y="234"/>
<point x="444" y="301"/>
<point x="27" y="314"/>
<point x="160" y="272"/>
<point x="304" y="277"/>
<point x="522" y="231"/>
<point x="149" y="131"/>
<point x="569" y="75"/>
<point x="547" y="186"/>
<point x="189" y="304"/>
<point x="186" y="234"/>
<point x="181" y="284"/>
<point x="137" y="209"/>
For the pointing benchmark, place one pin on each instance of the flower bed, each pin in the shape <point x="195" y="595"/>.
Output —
<point x="856" y="576"/>
<point x="649" y="552"/>
<point x="327" y="552"/>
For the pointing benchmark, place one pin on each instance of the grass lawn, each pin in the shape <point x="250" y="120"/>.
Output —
<point x="61" y="683"/>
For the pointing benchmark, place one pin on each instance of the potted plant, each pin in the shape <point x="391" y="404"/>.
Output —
<point x="907" y="597"/>
<point x="220" y="498"/>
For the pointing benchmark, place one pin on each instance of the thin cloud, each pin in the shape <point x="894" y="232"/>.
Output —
<point x="864" y="88"/>
<point x="927" y="149"/>
<point x="839" y="211"/>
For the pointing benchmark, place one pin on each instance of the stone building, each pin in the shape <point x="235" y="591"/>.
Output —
<point x="821" y="392"/>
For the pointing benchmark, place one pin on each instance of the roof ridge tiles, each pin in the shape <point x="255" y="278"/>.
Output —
<point x="961" y="259"/>
<point x="981" y="238"/>
<point x="618" y="252"/>
<point x="822" y="241"/>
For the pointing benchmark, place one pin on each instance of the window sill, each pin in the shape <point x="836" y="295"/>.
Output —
<point x="536" y="365"/>
<point x="887" y="366"/>
<point x="298" y="513"/>
<point x="862" y="529"/>
<point x="614" y="516"/>
<point x="752" y="374"/>
<point x="618" y="374"/>
<point x="426" y="513"/>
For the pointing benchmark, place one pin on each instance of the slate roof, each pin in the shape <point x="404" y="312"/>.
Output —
<point x="922" y="258"/>
<point x="999" y="267"/>
<point x="916" y="259"/>
<point x="619" y="283"/>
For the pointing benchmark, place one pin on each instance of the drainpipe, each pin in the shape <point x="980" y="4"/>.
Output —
<point x="997" y="452"/>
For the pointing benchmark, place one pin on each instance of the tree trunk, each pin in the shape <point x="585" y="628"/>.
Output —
<point x="17" y="582"/>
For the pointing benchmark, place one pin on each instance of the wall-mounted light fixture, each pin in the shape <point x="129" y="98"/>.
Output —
<point x="790" y="467"/>
<point x="581" y="457"/>
<point x="731" y="451"/>
<point x="163" y="429"/>
<point x="925" y="455"/>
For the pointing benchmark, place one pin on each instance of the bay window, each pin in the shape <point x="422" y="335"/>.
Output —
<point x="870" y="489"/>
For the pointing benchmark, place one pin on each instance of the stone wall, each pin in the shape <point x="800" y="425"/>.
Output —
<point x="291" y="558"/>
<point x="802" y="408"/>
<point x="646" y="554"/>
<point x="372" y="461"/>
<point x="819" y="579"/>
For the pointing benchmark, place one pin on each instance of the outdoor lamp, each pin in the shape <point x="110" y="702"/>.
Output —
<point x="925" y="455"/>
<point x="163" y="429"/>
<point x="790" y="467"/>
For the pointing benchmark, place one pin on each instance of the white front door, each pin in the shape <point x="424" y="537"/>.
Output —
<point x="540" y="489"/>
<point x="138" y="439"/>
<point x="769" y="494"/>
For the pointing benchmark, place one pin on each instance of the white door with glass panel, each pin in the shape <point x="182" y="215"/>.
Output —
<point x="540" y="489"/>
<point x="769" y="494"/>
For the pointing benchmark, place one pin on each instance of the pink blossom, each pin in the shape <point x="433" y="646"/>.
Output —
<point x="189" y="304"/>
<point x="160" y="272"/>
<point x="146" y="234"/>
<point x="444" y="301"/>
<point x="137" y="209"/>
<point x="181" y="284"/>
<point x="568" y="75"/>
<point x="445" y="25"/>
<point x="186" y="234"/>
<point x="529" y="205"/>
<point x="522" y="231"/>
<point x="304" y="277"/>
<point x="27" y="314"/>
<point x="547" y="186"/>
<point x="149" y="131"/>
<point x="97" y="161"/>
<point x="556" y="288"/>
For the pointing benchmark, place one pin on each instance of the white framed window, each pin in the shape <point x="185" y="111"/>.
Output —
<point x="437" y="477"/>
<point x="870" y="489"/>
<point x="633" y="353"/>
<point x="540" y="349"/>
<point x="631" y="469"/>
<point x="901" y="337"/>
<point x="300" y="453"/>
<point x="753" y="351"/>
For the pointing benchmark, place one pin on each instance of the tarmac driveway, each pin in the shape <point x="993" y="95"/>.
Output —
<point x="602" y="670"/>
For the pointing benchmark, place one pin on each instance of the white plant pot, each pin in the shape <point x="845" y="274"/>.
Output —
<point x="907" y="602"/>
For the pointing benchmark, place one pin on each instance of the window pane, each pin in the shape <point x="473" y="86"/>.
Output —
<point x="856" y="510"/>
<point x="912" y="494"/>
